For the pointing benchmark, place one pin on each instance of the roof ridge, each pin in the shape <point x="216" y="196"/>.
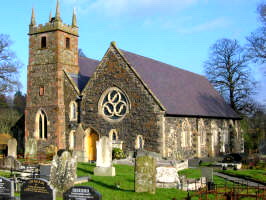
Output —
<point x="169" y="65"/>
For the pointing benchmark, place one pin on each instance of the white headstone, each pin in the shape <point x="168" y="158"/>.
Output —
<point x="167" y="175"/>
<point x="104" y="152"/>
<point x="12" y="147"/>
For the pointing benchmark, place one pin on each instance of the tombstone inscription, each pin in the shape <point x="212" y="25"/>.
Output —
<point x="82" y="193"/>
<point x="145" y="174"/>
<point x="6" y="188"/>
<point x="37" y="189"/>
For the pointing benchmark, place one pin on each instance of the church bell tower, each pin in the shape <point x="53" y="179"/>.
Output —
<point x="53" y="50"/>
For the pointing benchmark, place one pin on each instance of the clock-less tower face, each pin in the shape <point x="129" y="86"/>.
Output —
<point x="53" y="49"/>
<point x="113" y="104"/>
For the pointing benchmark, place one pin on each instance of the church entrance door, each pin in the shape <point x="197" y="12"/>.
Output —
<point x="92" y="152"/>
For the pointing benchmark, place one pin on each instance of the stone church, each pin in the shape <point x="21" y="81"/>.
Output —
<point x="138" y="102"/>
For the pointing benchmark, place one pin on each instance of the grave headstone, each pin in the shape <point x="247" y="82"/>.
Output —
<point x="31" y="148"/>
<point x="82" y="193"/>
<point x="104" y="158"/>
<point x="166" y="175"/>
<point x="145" y="174"/>
<point x="104" y="152"/>
<point x="11" y="162"/>
<point x="12" y="147"/>
<point x="6" y="188"/>
<point x="45" y="171"/>
<point x="208" y="173"/>
<point x="63" y="171"/>
<point x="37" y="189"/>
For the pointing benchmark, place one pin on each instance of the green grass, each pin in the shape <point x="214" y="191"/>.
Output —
<point x="196" y="173"/>
<point x="125" y="177"/>
<point x="252" y="174"/>
<point x="5" y="174"/>
<point x="206" y="164"/>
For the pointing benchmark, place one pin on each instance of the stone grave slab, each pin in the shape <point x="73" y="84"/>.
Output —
<point x="6" y="188"/>
<point x="145" y="174"/>
<point x="82" y="193"/>
<point x="37" y="189"/>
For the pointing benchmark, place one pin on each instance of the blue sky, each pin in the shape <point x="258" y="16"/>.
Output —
<point x="177" y="32"/>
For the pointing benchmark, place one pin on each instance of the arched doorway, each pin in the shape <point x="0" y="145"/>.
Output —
<point x="92" y="138"/>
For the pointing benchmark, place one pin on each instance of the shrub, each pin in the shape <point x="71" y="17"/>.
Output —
<point x="118" y="153"/>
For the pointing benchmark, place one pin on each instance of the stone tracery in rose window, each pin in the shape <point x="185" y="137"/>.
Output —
<point x="114" y="104"/>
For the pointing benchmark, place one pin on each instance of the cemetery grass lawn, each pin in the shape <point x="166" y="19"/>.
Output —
<point x="5" y="174"/>
<point x="251" y="174"/>
<point x="196" y="173"/>
<point x="110" y="190"/>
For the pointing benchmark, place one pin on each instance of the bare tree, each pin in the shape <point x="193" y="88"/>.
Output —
<point x="226" y="68"/>
<point x="257" y="40"/>
<point x="9" y="66"/>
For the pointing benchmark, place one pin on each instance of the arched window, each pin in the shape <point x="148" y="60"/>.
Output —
<point x="72" y="140"/>
<point x="73" y="108"/>
<point x="41" y="129"/>
<point x="185" y="134"/>
<point x="214" y="131"/>
<point x="139" y="142"/>
<point x="202" y="132"/>
<point x="113" y="135"/>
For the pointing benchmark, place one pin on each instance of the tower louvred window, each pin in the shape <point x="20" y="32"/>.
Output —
<point x="68" y="43"/>
<point x="43" y="42"/>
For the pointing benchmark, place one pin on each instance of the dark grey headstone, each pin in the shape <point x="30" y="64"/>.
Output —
<point x="37" y="189"/>
<point x="6" y="188"/>
<point x="82" y="193"/>
<point x="208" y="173"/>
<point x="45" y="171"/>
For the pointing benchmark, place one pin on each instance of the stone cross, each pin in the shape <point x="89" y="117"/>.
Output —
<point x="12" y="147"/>
<point x="104" y="152"/>
<point x="145" y="174"/>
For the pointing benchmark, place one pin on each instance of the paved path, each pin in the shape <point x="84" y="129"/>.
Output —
<point x="238" y="180"/>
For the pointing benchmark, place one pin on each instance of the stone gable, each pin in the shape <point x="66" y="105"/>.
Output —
<point x="144" y="113"/>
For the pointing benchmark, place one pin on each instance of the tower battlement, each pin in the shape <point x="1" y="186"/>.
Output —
<point x="53" y="26"/>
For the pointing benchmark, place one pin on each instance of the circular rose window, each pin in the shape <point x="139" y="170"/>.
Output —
<point x="113" y="104"/>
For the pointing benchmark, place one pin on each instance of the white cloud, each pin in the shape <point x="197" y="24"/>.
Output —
<point x="206" y="26"/>
<point x="135" y="7"/>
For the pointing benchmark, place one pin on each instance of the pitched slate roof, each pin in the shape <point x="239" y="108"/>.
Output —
<point x="181" y="92"/>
